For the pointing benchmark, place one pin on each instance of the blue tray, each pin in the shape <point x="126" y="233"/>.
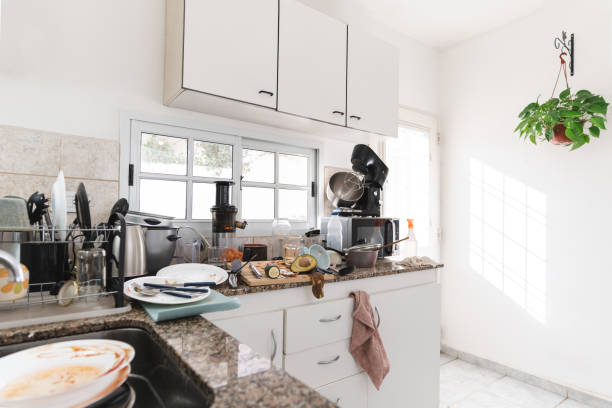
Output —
<point x="216" y="302"/>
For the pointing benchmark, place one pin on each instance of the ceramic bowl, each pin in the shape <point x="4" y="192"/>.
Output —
<point x="10" y="291"/>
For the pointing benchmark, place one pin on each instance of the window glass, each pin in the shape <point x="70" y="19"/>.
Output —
<point x="163" y="154"/>
<point x="257" y="203"/>
<point x="258" y="166"/>
<point x="293" y="204"/>
<point x="203" y="199"/>
<point x="212" y="160"/>
<point x="163" y="197"/>
<point x="406" y="193"/>
<point x="292" y="169"/>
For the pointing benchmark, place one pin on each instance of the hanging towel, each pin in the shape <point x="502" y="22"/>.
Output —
<point x="366" y="345"/>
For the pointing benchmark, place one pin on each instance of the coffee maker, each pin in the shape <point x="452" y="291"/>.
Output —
<point x="224" y="222"/>
<point x="374" y="172"/>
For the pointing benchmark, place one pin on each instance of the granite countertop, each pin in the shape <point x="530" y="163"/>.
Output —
<point x="382" y="268"/>
<point x="230" y="373"/>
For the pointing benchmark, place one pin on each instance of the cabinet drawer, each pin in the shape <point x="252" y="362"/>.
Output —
<point x="315" y="325"/>
<point x="351" y="392"/>
<point x="322" y="365"/>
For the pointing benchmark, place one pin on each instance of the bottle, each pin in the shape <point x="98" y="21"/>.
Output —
<point x="410" y="245"/>
<point x="376" y="238"/>
<point x="334" y="233"/>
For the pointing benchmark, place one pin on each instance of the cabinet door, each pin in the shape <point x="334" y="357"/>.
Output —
<point x="230" y="49"/>
<point x="262" y="332"/>
<point x="351" y="392"/>
<point x="410" y="330"/>
<point x="372" y="84"/>
<point x="312" y="64"/>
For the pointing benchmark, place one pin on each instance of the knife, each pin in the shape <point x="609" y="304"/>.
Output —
<point x="256" y="272"/>
<point x="180" y="288"/>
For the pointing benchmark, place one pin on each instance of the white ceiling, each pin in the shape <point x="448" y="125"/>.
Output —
<point x="441" y="23"/>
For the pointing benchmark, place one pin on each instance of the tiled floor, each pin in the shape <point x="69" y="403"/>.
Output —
<point x="464" y="385"/>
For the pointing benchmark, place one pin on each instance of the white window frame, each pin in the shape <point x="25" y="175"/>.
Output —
<point x="429" y="123"/>
<point x="257" y="138"/>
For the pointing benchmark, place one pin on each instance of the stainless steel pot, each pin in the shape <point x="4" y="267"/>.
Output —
<point x="135" y="262"/>
<point x="344" y="189"/>
<point x="362" y="258"/>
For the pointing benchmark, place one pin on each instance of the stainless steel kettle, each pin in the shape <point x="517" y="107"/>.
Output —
<point x="135" y="262"/>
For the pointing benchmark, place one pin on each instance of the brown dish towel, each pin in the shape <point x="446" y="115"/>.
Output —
<point x="366" y="345"/>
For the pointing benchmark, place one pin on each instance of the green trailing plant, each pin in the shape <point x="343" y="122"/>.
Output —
<point x="580" y="116"/>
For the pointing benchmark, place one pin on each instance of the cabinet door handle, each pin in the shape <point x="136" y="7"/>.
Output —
<point x="330" y="319"/>
<point x="275" y="346"/>
<point x="378" y="316"/>
<point x="329" y="361"/>
<point x="338" y="113"/>
<point x="262" y="92"/>
<point x="355" y="117"/>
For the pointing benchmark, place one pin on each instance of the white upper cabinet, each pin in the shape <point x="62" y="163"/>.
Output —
<point x="230" y="49"/>
<point x="372" y="84"/>
<point x="312" y="64"/>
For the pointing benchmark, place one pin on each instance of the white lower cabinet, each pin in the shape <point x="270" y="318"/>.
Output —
<point x="410" y="331"/>
<point x="263" y="332"/>
<point x="351" y="392"/>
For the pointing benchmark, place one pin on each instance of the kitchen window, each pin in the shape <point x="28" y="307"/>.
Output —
<point x="174" y="169"/>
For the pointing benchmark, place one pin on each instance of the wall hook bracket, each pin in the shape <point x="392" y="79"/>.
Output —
<point x="567" y="46"/>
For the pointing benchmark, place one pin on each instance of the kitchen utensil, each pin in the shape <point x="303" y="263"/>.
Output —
<point x="58" y="207"/>
<point x="161" y="298"/>
<point x="185" y="285"/>
<point x="160" y="236"/>
<point x="377" y="247"/>
<point x="96" y="368"/>
<point x="344" y="189"/>
<point x="10" y="291"/>
<point x="37" y="207"/>
<point x="194" y="273"/>
<point x="180" y="288"/>
<point x="122" y="207"/>
<point x="135" y="262"/>
<point x="259" y="250"/>
<point x="83" y="220"/>
<point x="154" y="292"/>
<point x="320" y="254"/>
<point x="362" y="258"/>
<point x="256" y="271"/>
<point x="346" y="270"/>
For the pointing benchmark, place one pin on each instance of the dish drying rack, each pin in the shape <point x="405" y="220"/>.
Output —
<point x="42" y="303"/>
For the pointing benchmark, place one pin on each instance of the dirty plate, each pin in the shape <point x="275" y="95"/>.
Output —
<point x="194" y="272"/>
<point x="161" y="298"/>
<point x="66" y="374"/>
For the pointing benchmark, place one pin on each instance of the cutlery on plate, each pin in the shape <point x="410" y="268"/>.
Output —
<point x="172" y="287"/>
<point x="152" y="292"/>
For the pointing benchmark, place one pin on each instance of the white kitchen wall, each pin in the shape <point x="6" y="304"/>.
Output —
<point x="526" y="228"/>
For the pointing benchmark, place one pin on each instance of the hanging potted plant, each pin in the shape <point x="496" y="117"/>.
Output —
<point x="569" y="119"/>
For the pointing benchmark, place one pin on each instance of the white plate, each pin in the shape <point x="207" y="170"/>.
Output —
<point x="58" y="206"/>
<point x="66" y="374"/>
<point x="161" y="298"/>
<point x="194" y="272"/>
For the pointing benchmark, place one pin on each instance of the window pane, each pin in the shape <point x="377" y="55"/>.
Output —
<point x="257" y="203"/>
<point x="293" y="204"/>
<point x="203" y="199"/>
<point x="212" y="160"/>
<point x="163" y="154"/>
<point x="406" y="193"/>
<point x="292" y="169"/>
<point x="258" y="166"/>
<point x="163" y="197"/>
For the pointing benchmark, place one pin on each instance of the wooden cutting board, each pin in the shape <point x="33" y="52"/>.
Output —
<point x="250" y="279"/>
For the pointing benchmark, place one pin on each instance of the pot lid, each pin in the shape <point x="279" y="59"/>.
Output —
<point x="149" y="220"/>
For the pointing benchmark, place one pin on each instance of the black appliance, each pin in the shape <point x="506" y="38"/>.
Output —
<point x="361" y="230"/>
<point x="374" y="172"/>
<point x="224" y="222"/>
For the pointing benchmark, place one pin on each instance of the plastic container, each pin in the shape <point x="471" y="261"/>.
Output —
<point x="334" y="233"/>
<point x="410" y="246"/>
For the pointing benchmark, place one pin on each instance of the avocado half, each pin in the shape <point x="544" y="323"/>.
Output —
<point x="303" y="264"/>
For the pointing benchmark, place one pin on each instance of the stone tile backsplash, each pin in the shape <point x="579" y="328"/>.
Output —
<point x="31" y="160"/>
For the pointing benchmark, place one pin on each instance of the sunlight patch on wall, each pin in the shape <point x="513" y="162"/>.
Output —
<point x="508" y="236"/>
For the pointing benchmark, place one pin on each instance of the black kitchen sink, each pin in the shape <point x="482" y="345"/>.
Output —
<point x="155" y="378"/>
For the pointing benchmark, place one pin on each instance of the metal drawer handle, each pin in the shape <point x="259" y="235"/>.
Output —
<point x="262" y="92"/>
<point x="273" y="342"/>
<point x="338" y="113"/>
<point x="355" y="117"/>
<point x="330" y="319"/>
<point x="329" y="361"/>
<point x="378" y="316"/>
